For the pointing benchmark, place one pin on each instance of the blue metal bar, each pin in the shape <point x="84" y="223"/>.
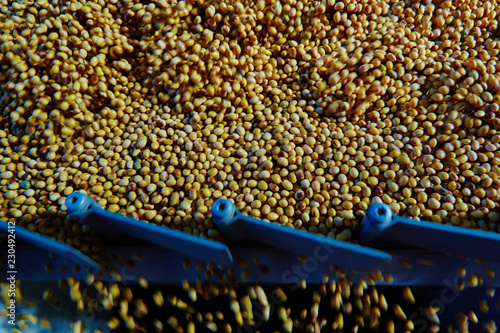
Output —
<point x="380" y="223"/>
<point x="238" y="226"/>
<point x="50" y="245"/>
<point x="274" y="266"/>
<point x="111" y="225"/>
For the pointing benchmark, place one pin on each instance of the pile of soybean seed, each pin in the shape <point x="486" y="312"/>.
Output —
<point x="303" y="113"/>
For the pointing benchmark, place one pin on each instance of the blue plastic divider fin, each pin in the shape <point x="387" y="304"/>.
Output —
<point x="380" y="223"/>
<point x="50" y="245"/>
<point x="110" y="224"/>
<point x="343" y="254"/>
